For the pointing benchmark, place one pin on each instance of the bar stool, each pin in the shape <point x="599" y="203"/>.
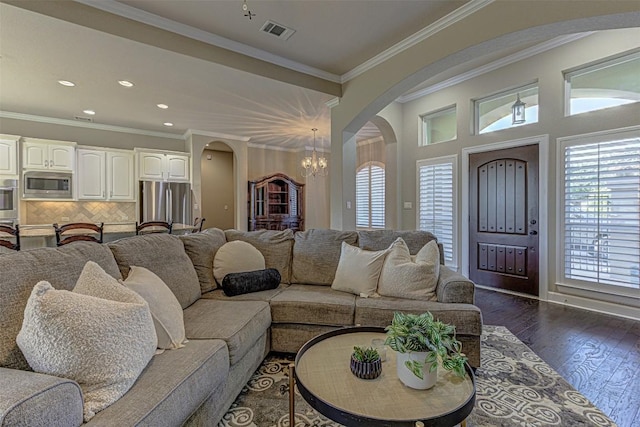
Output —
<point x="88" y="236"/>
<point x="13" y="231"/>
<point x="165" y="227"/>
<point x="197" y="225"/>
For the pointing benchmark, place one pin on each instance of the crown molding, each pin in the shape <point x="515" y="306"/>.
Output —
<point x="332" y="102"/>
<point x="492" y="66"/>
<point x="191" y="132"/>
<point x="272" y="147"/>
<point x="442" y="23"/>
<point x="95" y="126"/>
<point x="144" y="17"/>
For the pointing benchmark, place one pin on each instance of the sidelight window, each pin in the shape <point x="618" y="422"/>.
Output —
<point x="600" y="211"/>
<point x="437" y="202"/>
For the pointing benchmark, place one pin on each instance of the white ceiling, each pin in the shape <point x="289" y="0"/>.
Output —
<point x="331" y="37"/>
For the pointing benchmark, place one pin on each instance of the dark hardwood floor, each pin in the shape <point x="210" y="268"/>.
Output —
<point x="596" y="353"/>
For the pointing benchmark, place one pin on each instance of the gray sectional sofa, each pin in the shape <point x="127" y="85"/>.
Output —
<point x="229" y="337"/>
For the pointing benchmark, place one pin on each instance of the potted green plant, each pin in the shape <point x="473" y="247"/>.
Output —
<point x="366" y="363"/>
<point x="421" y="343"/>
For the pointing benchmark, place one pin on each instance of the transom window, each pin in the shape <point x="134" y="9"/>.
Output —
<point x="493" y="112"/>
<point x="370" y="196"/>
<point x="606" y="84"/>
<point x="439" y="126"/>
<point x="600" y="212"/>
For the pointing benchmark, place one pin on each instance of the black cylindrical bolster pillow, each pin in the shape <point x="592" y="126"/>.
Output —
<point x="251" y="281"/>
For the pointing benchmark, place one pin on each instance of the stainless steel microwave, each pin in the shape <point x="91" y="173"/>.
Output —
<point x="47" y="185"/>
<point x="8" y="199"/>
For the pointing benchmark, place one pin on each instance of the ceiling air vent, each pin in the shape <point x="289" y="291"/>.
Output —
<point x="84" y="119"/>
<point x="277" y="30"/>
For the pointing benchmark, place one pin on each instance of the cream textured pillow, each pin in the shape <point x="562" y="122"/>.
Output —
<point x="101" y="335"/>
<point x="358" y="270"/>
<point x="402" y="277"/>
<point x="236" y="257"/>
<point x="165" y="308"/>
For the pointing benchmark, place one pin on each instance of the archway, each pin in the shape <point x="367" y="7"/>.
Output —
<point x="499" y="25"/>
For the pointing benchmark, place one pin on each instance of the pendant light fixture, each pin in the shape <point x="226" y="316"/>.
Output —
<point x="314" y="165"/>
<point x="517" y="112"/>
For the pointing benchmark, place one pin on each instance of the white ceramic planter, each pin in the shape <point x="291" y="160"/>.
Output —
<point x="408" y="378"/>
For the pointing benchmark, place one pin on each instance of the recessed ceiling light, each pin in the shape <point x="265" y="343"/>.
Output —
<point x="168" y="124"/>
<point x="89" y="112"/>
<point x="125" y="83"/>
<point x="66" y="83"/>
<point x="163" y="106"/>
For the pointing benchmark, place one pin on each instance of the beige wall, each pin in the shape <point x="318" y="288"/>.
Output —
<point x="264" y="162"/>
<point x="547" y="69"/>
<point x="217" y="174"/>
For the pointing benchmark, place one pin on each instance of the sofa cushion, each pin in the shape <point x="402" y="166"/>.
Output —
<point x="376" y="240"/>
<point x="164" y="255"/>
<point x="313" y="305"/>
<point x="202" y="248"/>
<point x="236" y="257"/>
<point x="268" y="295"/>
<point x="405" y="277"/>
<point x="32" y="399"/>
<point x="59" y="266"/>
<point x="100" y="335"/>
<point x="171" y="388"/>
<point x="238" y="323"/>
<point x="165" y="308"/>
<point x="358" y="270"/>
<point x="275" y="246"/>
<point x="316" y="254"/>
<point x="467" y="318"/>
<point x="250" y="281"/>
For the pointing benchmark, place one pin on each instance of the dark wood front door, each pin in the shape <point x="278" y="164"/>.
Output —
<point x="503" y="219"/>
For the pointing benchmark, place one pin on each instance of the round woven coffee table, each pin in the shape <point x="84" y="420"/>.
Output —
<point x="324" y="379"/>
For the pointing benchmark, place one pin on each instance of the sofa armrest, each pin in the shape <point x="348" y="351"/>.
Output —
<point x="454" y="287"/>
<point x="32" y="399"/>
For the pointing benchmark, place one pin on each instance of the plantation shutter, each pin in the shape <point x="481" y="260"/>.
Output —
<point x="436" y="209"/>
<point x="370" y="196"/>
<point x="601" y="224"/>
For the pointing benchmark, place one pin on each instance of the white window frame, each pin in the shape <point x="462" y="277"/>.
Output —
<point x="368" y="165"/>
<point x="562" y="143"/>
<point x="424" y="135"/>
<point x="453" y="160"/>
<point x="511" y="91"/>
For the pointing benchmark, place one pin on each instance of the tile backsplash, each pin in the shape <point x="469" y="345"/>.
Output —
<point x="61" y="212"/>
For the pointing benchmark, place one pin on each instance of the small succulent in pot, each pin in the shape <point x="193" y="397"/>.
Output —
<point x="366" y="363"/>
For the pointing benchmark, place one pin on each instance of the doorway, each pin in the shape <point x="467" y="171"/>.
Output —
<point x="504" y="218"/>
<point x="218" y="189"/>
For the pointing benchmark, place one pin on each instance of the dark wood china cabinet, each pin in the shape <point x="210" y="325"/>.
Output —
<point x="276" y="203"/>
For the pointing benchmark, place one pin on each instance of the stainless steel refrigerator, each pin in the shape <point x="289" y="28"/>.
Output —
<point x="165" y="201"/>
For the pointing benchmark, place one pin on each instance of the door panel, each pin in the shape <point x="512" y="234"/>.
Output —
<point x="503" y="221"/>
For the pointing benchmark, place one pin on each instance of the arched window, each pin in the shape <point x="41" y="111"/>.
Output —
<point x="370" y="195"/>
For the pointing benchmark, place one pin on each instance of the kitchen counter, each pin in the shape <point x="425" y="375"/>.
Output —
<point x="44" y="230"/>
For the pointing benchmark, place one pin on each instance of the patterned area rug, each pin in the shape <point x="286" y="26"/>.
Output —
<point x="514" y="388"/>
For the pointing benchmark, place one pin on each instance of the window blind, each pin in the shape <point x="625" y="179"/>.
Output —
<point x="436" y="210"/>
<point x="370" y="197"/>
<point x="602" y="212"/>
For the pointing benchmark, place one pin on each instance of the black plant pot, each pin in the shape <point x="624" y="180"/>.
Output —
<point x="366" y="370"/>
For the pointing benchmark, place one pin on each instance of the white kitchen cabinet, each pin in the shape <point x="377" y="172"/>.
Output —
<point x="105" y="175"/>
<point x="41" y="154"/>
<point x="163" y="166"/>
<point x="120" y="176"/>
<point x="8" y="156"/>
<point x="91" y="176"/>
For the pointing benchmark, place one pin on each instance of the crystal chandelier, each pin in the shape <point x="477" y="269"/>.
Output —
<point x="314" y="165"/>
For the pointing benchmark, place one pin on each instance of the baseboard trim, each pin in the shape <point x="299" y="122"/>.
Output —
<point x="603" y="307"/>
<point x="506" y="291"/>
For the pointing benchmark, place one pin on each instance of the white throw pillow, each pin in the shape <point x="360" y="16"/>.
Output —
<point x="101" y="335"/>
<point x="358" y="270"/>
<point x="236" y="257"/>
<point x="165" y="308"/>
<point x="405" y="278"/>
